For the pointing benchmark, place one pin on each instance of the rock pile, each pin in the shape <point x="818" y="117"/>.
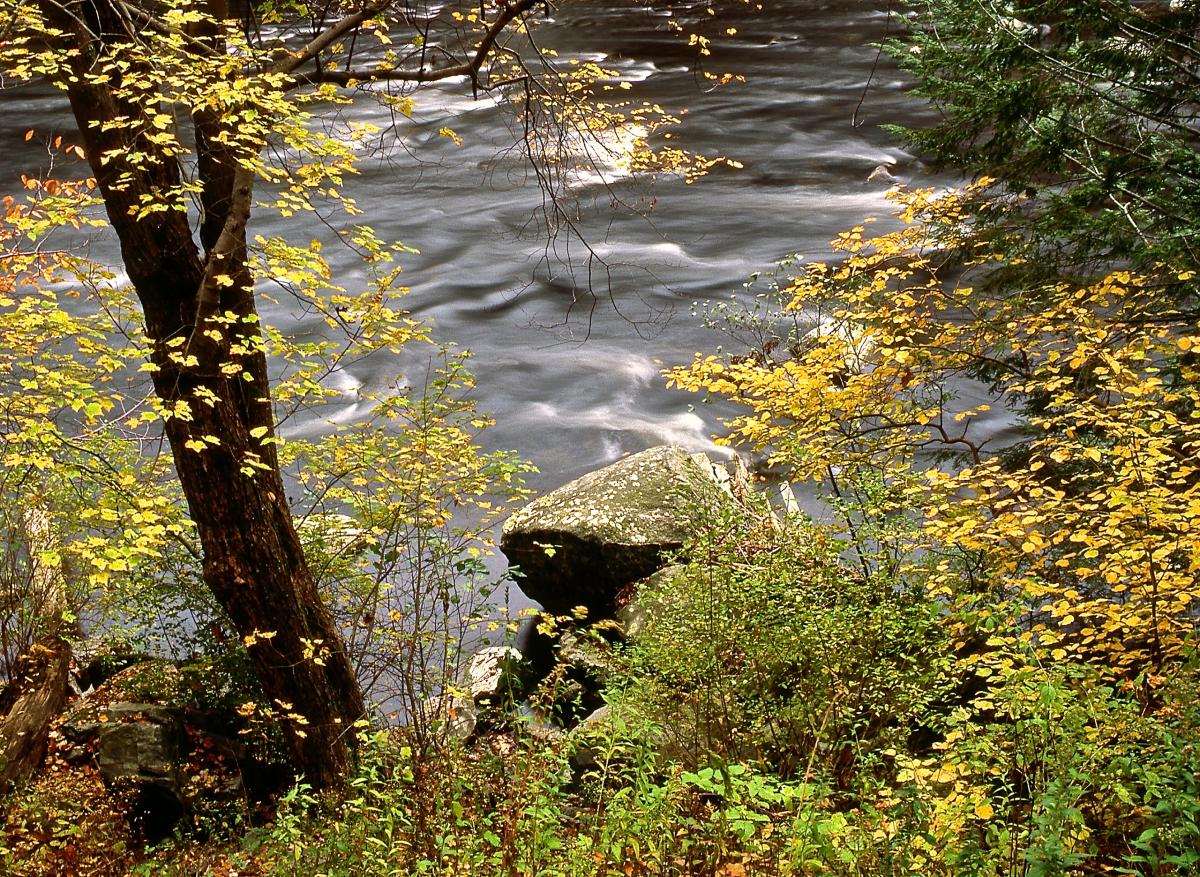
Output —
<point x="581" y="552"/>
<point x="168" y="748"/>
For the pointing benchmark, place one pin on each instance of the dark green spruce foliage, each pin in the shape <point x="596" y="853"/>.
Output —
<point x="1088" y="106"/>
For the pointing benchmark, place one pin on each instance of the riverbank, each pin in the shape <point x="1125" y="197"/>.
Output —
<point x="715" y="689"/>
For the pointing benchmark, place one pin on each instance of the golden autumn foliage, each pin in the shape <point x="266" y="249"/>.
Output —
<point x="195" y="118"/>
<point x="1089" y="527"/>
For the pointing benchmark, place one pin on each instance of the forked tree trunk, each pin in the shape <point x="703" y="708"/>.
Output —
<point x="253" y="561"/>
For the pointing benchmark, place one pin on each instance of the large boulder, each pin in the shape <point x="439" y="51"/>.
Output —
<point x="583" y="543"/>
<point x="139" y="752"/>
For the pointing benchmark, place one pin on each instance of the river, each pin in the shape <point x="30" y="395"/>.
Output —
<point x="572" y="374"/>
<point x="571" y="370"/>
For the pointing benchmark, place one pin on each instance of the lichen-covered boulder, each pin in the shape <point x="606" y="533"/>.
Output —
<point x="583" y="543"/>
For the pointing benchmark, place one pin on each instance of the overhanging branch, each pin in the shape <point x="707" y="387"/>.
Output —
<point x="509" y="12"/>
<point x="293" y="61"/>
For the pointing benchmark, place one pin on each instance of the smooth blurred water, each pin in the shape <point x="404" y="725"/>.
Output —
<point x="571" y="369"/>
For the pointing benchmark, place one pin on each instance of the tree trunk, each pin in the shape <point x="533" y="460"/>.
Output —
<point x="35" y="694"/>
<point x="220" y="436"/>
<point x="37" y="684"/>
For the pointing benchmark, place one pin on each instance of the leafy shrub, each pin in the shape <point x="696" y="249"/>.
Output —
<point x="770" y="647"/>
<point x="396" y="519"/>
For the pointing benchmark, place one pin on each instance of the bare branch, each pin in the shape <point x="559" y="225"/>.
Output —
<point x="293" y="61"/>
<point x="470" y="68"/>
<point x="153" y="23"/>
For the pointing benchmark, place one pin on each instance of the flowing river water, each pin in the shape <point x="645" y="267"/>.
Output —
<point x="572" y="376"/>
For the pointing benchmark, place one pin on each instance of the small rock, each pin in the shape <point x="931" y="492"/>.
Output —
<point x="456" y="717"/>
<point x="76" y="755"/>
<point x="102" y="661"/>
<point x="565" y="700"/>
<point x="883" y="174"/>
<point x="539" y="726"/>
<point x="493" y="674"/>
<point x="634" y="615"/>
<point x="580" y="655"/>
<point x="586" y="754"/>
<point x="858" y="347"/>
<point x="596" y="720"/>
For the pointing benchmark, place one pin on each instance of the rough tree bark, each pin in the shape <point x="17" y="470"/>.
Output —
<point x="37" y="684"/>
<point x="209" y="363"/>
<point x="253" y="561"/>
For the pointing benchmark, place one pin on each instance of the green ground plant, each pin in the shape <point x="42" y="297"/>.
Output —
<point x="780" y="644"/>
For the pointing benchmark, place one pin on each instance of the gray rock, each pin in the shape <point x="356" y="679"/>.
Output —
<point x="80" y="727"/>
<point x="637" y="613"/>
<point x="586" y="750"/>
<point x="101" y="660"/>
<point x="139" y="750"/>
<point x="882" y="174"/>
<point x="581" y="544"/>
<point x="145" y="751"/>
<point x="584" y="655"/>
<point x="165" y="756"/>
<point x="86" y="723"/>
<point x="493" y="674"/>
<point x="859" y="349"/>
<point x="718" y="471"/>
<point x="539" y="725"/>
<point x="75" y="755"/>
<point x="596" y="720"/>
<point x="565" y="700"/>
<point x="449" y="715"/>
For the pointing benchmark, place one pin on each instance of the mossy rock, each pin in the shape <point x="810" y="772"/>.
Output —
<point x="582" y="544"/>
